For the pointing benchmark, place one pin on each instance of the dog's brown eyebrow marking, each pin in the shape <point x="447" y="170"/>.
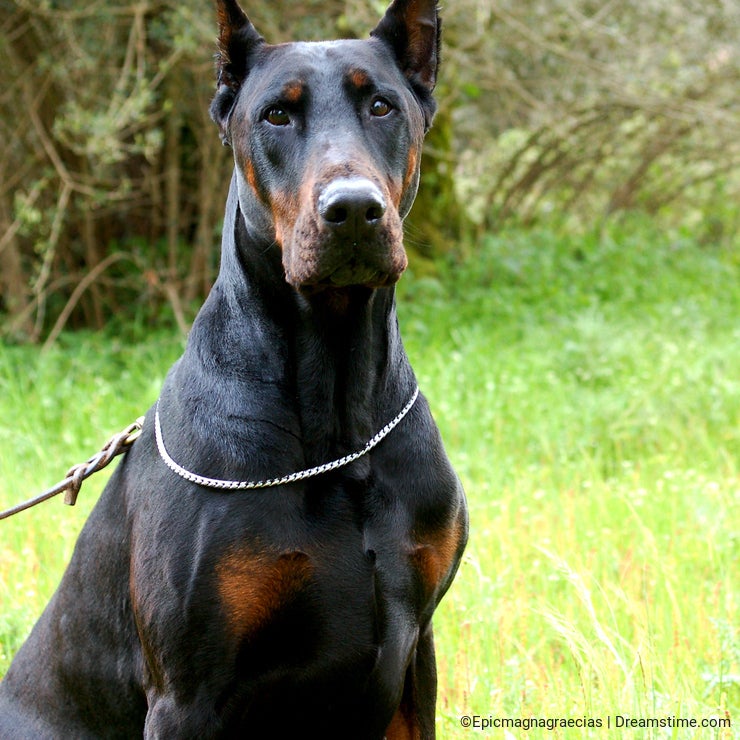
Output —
<point x="293" y="91"/>
<point x="358" y="78"/>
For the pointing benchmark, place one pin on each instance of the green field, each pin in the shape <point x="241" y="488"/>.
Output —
<point x="588" y="390"/>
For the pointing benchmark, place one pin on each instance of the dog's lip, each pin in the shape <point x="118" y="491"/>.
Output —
<point x="350" y="274"/>
<point x="334" y="282"/>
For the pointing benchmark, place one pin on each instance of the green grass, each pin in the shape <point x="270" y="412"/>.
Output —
<point x="589" y="394"/>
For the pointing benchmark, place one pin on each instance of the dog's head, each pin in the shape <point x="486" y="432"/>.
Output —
<point x="327" y="140"/>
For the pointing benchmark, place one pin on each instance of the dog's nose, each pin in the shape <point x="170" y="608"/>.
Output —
<point x="352" y="205"/>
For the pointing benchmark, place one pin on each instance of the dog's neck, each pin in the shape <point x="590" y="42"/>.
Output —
<point x="330" y="368"/>
<point x="350" y="365"/>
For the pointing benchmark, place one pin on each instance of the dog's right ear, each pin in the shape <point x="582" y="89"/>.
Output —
<point x="412" y="28"/>
<point x="237" y="39"/>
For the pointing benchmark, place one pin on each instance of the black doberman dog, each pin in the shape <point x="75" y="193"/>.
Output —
<point x="192" y="608"/>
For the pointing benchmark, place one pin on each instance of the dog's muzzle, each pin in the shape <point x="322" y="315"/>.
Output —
<point x="356" y="239"/>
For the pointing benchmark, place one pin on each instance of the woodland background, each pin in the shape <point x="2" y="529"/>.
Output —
<point x="113" y="179"/>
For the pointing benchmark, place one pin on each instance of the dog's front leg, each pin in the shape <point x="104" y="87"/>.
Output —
<point x="414" y="718"/>
<point x="169" y="718"/>
<point x="185" y="645"/>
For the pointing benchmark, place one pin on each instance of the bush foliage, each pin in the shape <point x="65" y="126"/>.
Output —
<point x="112" y="177"/>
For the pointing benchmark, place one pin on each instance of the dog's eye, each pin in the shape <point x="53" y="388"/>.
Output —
<point x="276" y="116"/>
<point x="380" y="107"/>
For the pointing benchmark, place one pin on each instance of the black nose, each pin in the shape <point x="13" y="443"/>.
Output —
<point x="353" y="205"/>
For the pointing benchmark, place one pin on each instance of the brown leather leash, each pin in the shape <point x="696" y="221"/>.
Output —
<point x="116" y="445"/>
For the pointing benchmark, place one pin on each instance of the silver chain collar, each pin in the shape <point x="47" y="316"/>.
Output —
<point x="235" y="485"/>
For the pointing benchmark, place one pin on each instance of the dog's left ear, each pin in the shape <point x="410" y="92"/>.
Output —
<point x="237" y="39"/>
<point x="412" y="29"/>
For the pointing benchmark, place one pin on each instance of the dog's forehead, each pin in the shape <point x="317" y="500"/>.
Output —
<point x="315" y="63"/>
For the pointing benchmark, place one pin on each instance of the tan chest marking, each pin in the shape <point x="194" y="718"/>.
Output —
<point x="436" y="555"/>
<point x="252" y="587"/>
<point x="402" y="727"/>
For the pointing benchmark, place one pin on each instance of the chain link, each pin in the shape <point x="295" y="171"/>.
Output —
<point x="233" y="485"/>
<point x="119" y="443"/>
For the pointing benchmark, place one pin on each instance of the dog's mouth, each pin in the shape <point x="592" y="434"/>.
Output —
<point x="351" y="275"/>
<point x="365" y="275"/>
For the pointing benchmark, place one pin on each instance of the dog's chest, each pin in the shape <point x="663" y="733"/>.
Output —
<point x="336" y="593"/>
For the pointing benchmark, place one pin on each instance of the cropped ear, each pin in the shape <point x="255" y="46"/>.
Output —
<point x="412" y="28"/>
<point x="237" y="40"/>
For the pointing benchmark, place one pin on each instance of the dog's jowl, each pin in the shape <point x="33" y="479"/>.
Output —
<point x="266" y="559"/>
